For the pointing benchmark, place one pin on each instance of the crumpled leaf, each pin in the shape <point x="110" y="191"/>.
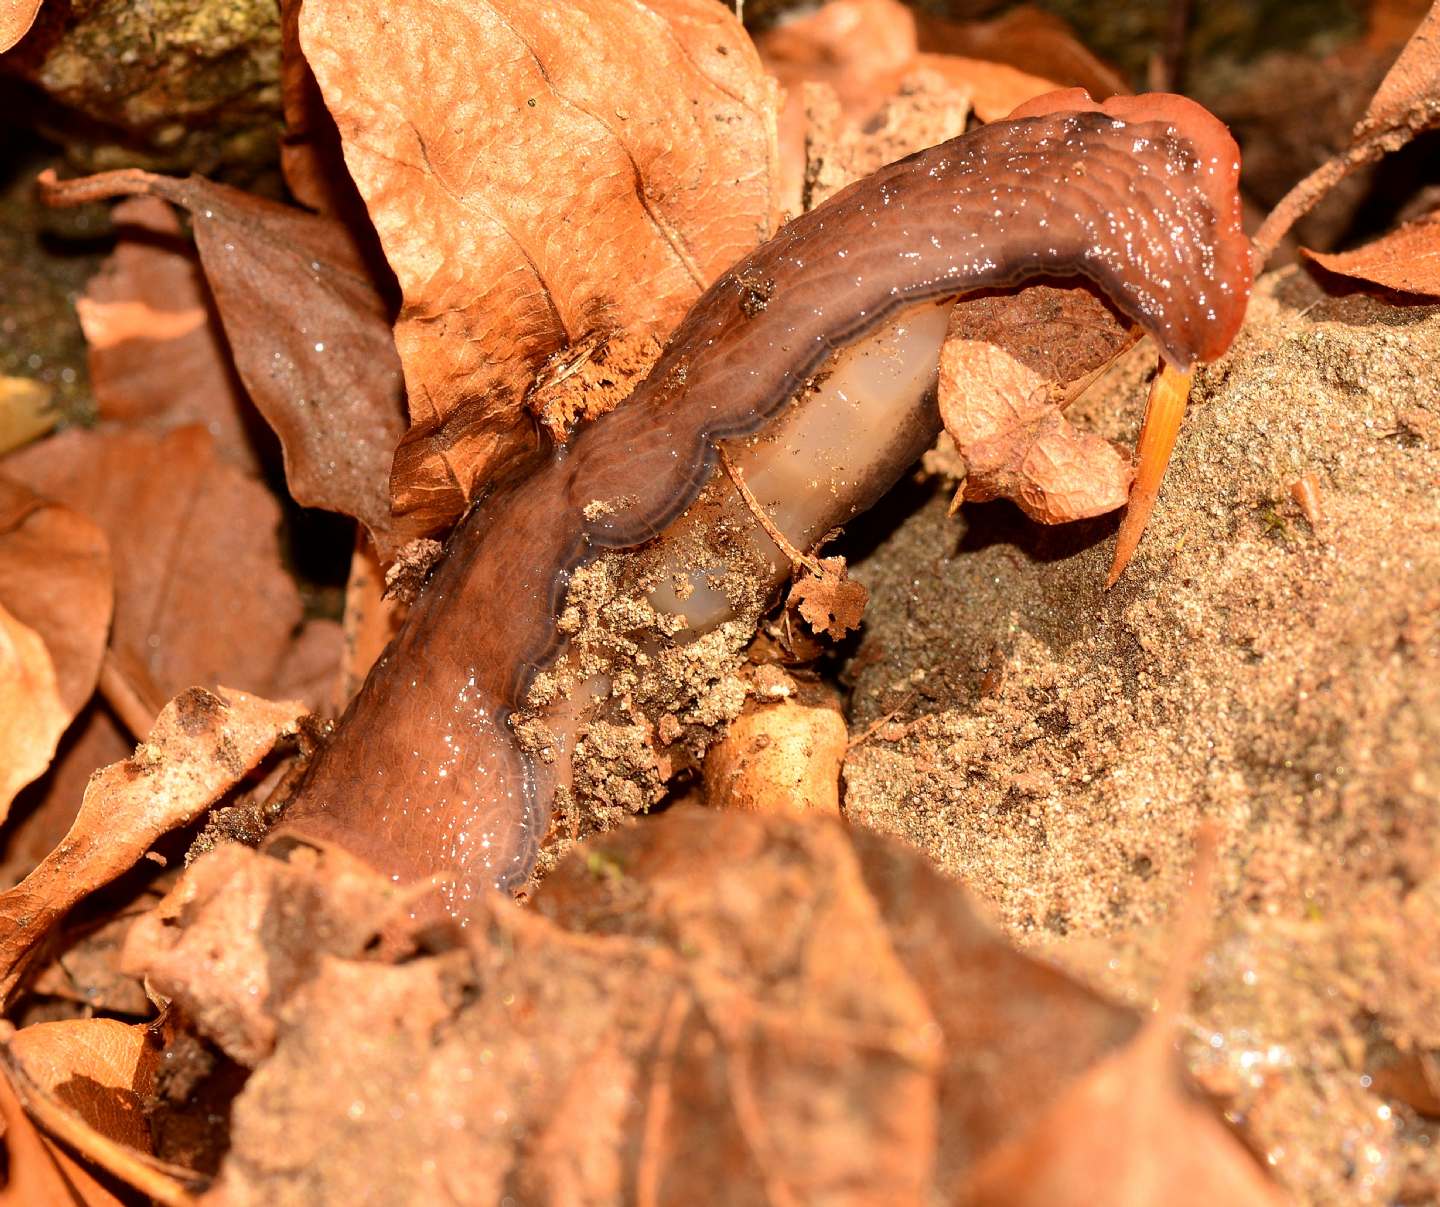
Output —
<point x="1407" y="259"/>
<point x="158" y="358"/>
<point x="830" y="601"/>
<point x="203" y="744"/>
<point x="1003" y="373"/>
<point x="16" y="18"/>
<point x="241" y="932"/>
<point x="55" y="604"/>
<point x="308" y="330"/>
<point x="642" y="134"/>
<point x="713" y="999"/>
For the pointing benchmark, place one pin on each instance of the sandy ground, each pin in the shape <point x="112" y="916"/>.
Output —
<point x="1055" y="747"/>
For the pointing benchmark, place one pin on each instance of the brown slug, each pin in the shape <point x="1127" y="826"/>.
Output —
<point x="424" y="775"/>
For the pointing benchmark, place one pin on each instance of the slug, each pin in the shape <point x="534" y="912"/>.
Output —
<point x="425" y="776"/>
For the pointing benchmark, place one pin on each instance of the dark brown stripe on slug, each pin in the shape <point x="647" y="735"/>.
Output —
<point x="423" y="775"/>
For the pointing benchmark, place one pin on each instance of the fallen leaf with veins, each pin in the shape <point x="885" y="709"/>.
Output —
<point x="640" y="133"/>
<point x="308" y="330"/>
<point x="1407" y="259"/>
<point x="1004" y="370"/>
<point x="56" y="598"/>
<point x="158" y="357"/>
<point x="100" y="1068"/>
<point x="203" y="743"/>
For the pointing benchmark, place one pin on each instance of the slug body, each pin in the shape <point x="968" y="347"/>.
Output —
<point x="424" y="775"/>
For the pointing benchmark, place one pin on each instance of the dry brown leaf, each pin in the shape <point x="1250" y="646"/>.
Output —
<point x="202" y="745"/>
<point x="38" y="1171"/>
<point x="158" y="357"/>
<point x="1406" y="104"/>
<point x="242" y="931"/>
<point x="100" y="1068"/>
<point x="1407" y="259"/>
<point x="829" y="601"/>
<point x="371" y="619"/>
<point x="308" y="329"/>
<point x="55" y="604"/>
<point x="200" y="592"/>
<point x="25" y="412"/>
<point x="1003" y="373"/>
<point x="16" y="18"/>
<point x="1408" y="99"/>
<point x="713" y="999"/>
<point x="618" y="158"/>
<point x="994" y="88"/>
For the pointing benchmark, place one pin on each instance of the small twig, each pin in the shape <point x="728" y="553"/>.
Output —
<point x="872" y="729"/>
<point x="782" y="542"/>
<point x="1300" y="200"/>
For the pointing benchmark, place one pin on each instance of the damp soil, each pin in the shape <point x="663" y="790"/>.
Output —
<point x="1055" y="747"/>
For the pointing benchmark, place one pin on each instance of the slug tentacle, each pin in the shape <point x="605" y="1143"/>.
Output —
<point x="424" y="775"/>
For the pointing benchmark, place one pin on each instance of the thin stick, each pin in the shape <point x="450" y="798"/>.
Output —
<point x="1166" y="408"/>
<point x="782" y="542"/>
<point x="1300" y="200"/>
<point x="125" y="699"/>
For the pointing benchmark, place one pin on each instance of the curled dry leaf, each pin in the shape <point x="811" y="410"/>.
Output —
<point x="158" y="358"/>
<point x="55" y="604"/>
<point x="780" y="756"/>
<point x="1036" y="42"/>
<point x="202" y="745"/>
<point x="714" y="999"/>
<point x="16" y="18"/>
<point x="308" y="330"/>
<point x="1407" y="259"/>
<point x="640" y="133"/>
<point x="1002" y="397"/>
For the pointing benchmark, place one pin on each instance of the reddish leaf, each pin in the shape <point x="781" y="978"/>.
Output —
<point x="1407" y="259"/>
<point x="617" y="158"/>
<point x="158" y="357"/>
<point x="308" y="330"/>
<point x="55" y="605"/>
